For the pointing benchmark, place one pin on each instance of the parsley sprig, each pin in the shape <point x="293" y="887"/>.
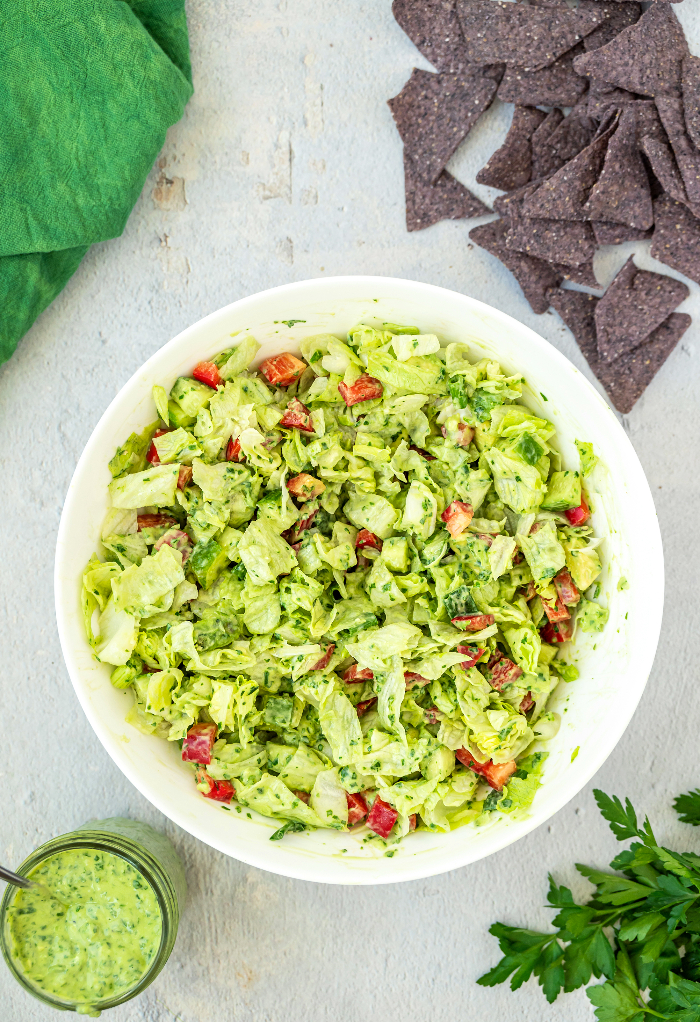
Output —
<point x="640" y="931"/>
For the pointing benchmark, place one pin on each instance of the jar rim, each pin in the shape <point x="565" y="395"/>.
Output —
<point x="141" y="859"/>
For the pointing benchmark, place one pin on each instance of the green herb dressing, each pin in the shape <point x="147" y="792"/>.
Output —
<point x="100" y="941"/>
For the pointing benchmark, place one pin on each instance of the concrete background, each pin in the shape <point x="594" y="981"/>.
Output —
<point x="287" y="166"/>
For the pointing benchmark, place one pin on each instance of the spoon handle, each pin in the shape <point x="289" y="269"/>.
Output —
<point x="14" y="878"/>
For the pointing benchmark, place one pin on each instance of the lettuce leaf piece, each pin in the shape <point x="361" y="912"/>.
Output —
<point x="418" y="375"/>
<point x="190" y="395"/>
<point x="119" y="522"/>
<point x="381" y="587"/>
<point x="500" y="555"/>
<point x="277" y="508"/>
<point x="420" y="511"/>
<point x="156" y="486"/>
<point x="262" y="609"/>
<point x="525" y="644"/>
<point x="370" y="511"/>
<point x="373" y="648"/>
<point x="141" y="589"/>
<point x="409" y="345"/>
<point x="472" y="485"/>
<point x="587" y="457"/>
<point x="118" y="633"/>
<point x="391" y="689"/>
<point x="524" y="784"/>
<point x="271" y="797"/>
<point x="341" y="727"/>
<point x="127" y="550"/>
<point x="543" y="552"/>
<point x="131" y="456"/>
<point x="299" y="767"/>
<point x="236" y="760"/>
<point x="518" y="484"/>
<point x="240" y="358"/>
<point x="264" y="553"/>
<point x="328" y="799"/>
<point x="177" y="445"/>
<point x="407" y="796"/>
<point x="218" y="482"/>
<point x="583" y="562"/>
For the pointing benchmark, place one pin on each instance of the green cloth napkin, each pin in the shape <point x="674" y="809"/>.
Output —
<point x="88" y="89"/>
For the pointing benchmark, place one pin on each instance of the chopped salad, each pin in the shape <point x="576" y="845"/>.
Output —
<point x="343" y="582"/>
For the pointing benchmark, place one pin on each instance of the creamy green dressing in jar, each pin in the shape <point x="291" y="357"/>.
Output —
<point x="104" y="924"/>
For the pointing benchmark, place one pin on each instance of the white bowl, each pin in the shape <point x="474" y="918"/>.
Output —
<point x="614" y="665"/>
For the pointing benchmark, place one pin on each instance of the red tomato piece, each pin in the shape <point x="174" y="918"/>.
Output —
<point x="412" y="821"/>
<point x="365" y="705"/>
<point x="357" y="673"/>
<point x="364" y="389"/>
<point x="474" y="622"/>
<point x="208" y="372"/>
<point x="526" y="703"/>
<point x="297" y="416"/>
<point x="530" y="591"/>
<point x="504" y="672"/>
<point x="153" y="521"/>
<point x="305" y="486"/>
<point x="495" y="773"/>
<point x="357" y="808"/>
<point x="183" y="476"/>
<point x="381" y="817"/>
<point x="302" y="795"/>
<point x="423" y="454"/>
<point x="578" y="515"/>
<point x="198" y="743"/>
<point x="473" y="654"/>
<point x="367" y="538"/>
<point x="233" y="450"/>
<point x="561" y="631"/>
<point x="220" y="791"/>
<point x="555" y="613"/>
<point x="325" y="659"/>
<point x="414" y="680"/>
<point x="294" y="534"/>
<point x="457" y="517"/>
<point x="568" y="593"/>
<point x="433" y="715"/>
<point x="466" y="434"/>
<point x="282" y="370"/>
<point x="152" y="454"/>
<point x="178" y="540"/>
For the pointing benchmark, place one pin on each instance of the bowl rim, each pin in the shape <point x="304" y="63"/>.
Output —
<point x="290" y="866"/>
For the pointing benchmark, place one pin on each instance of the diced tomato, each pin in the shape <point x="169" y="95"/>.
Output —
<point x="198" y="743"/>
<point x="357" y="808"/>
<point x="207" y="372"/>
<point x="282" y="370"/>
<point x="220" y="791"/>
<point x="530" y="591"/>
<point x="473" y="622"/>
<point x="526" y="703"/>
<point x="325" y="659"/>
<point x="294" y="534"/>
<point x="233" y="450"/>
<point x="504" y="673"/>
<point x="357" y="673"/>
<point x="414" y="680"/>
<point x="433" y="715"/>
<point x="473" y="654"/>
<point x="578" y="515"/>
<point x="184" y="475"/>
<point x="423" y="454"/>
<point x="305" y="487"/>
<point x="381" y="817"/>
<point x="297" y="416"/>
<point x="466" y="434"/>
<point x="153" y="521"/>
<point x="178" y="540"/>
<point x="497" y="774"/>
<point x="303" y="796"/>
<point x="518" y="558"/>
<point x="568" y="593"/>
<point x="365" y="705"/>
<point x="364" y="389"/>
<point x="367" y="538"/>
<point x="152" y="454"/>
<point x="560" y="631"/>
<point x="412" y="821"/>
<point x="494" y="658"/>
<point x="556" y="612"/>
<point x="457" y="517"/>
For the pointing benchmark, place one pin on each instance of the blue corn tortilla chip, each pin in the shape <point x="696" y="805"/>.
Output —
<point x="528" y="37"/>
<point x="545" y="160"/>
<point x="617" y="234"/>
<point x="687" y="156"/>
<point x="434" y="29"/>
<point x="511" y="164"/>
<point x="563" y="196"/>
<point x="622" y="193"/>
<point x="691" y="97"/>
<point x="556" y="241"/>
<point x="575" y="132"/>
<point x="447" y="199"/>
<point x="626" y="379"/>
<point x="603" y="97"/>
<point x="582" y="274"/>
<point x="676" y="238"/>
<point x="664" y="166"/>
<point x="645" y="58"/>
<point x="554" y="85"/>
<point x="620" y="17"/>
<point x="635" y="304"/>
<point x="434" y="112"/>
<point x="535" y="276"/>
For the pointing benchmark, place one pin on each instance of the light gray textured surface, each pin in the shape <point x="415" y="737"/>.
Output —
<point x="291" y="168"/>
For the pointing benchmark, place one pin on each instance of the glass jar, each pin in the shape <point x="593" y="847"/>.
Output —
<point x="147" y="851"/>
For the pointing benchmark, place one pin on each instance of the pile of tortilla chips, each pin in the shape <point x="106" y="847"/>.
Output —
<point x="623" y="164"/>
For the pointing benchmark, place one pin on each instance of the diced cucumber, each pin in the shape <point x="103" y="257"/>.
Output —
<point x="207" y="562"/>
<point x="190" y="395"/>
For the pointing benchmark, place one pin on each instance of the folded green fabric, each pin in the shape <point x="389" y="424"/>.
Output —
<point x="88" y="89"/>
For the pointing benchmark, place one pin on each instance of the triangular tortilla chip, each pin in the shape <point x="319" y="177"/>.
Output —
<point x="433" y="113"/>
<point x="616" y="234"/>
<point x="603" y="97"/>
<point x="687" y="156"/>
<point x="645" y="58"/>
<point x="545" y="160"/>
<point x="563" y="196"/>
<point x="534" y="276"/>
<point x="676" y="239"/>
<point x="663" y="163"/>
<point x="691" y="97"/>
<point x="556" y="241"/>
<point x="635" y="304"/>
<point x="433" y="27"/>
<point x="582" y="274"/>
<point x="622" y="194"/>
<point x="555" y="85"/>
<point x="529" y="37"/>
<point x="447" y="199"/>
<point x="627" y="378"/>
<point x="620" y="16"/>
<point x="511" y="165"/>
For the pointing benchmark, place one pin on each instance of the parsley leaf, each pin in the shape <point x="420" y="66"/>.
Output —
<point x="688" y="807"/>
<point x="622" y="820"/>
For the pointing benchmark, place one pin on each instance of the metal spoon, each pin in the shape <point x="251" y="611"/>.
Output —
<point x="27" y="884"/>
